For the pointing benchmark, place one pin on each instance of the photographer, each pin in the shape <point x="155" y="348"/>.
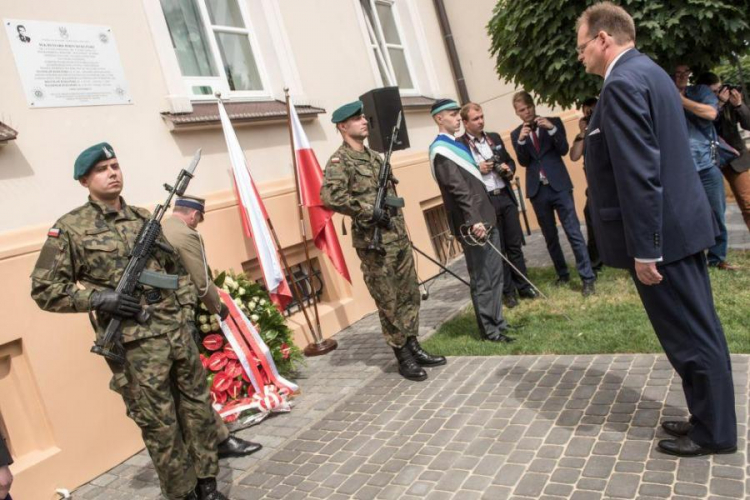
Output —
<point x="733" y="111"/>
<point x="497" y="169"/>
<point x="540" y="145"/>
<point x="577" y="151"/>
<point x="701" y="108"/>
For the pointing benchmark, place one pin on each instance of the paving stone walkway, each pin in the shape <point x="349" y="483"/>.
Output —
<point x="581" y="427"/>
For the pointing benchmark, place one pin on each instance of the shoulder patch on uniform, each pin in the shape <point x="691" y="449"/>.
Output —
<point x="54" y="232"/>
<point x="335" y="160"/>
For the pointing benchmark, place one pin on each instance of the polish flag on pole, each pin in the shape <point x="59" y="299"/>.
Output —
<point x="255" y="217"/>
<point x="310" y="179"/>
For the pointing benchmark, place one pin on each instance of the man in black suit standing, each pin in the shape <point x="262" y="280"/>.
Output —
<point x="540" y="145"/>
<point x="469" y="211"/>
<point x="497" y="169"/>
<point x="652" y="217"/>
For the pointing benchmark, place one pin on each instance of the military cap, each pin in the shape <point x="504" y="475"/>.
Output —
<point x="443" y="105"/>
<point x="193" y="202"/>
<point x="347" y="111"/>
<point x="90" y="157"/>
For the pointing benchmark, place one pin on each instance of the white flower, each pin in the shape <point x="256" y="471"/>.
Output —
<point x="225" y="288"/>
<point x="238" y="302"/>
<point x="242" y="291"/>
<point x="205" y="328"/>
<point x="254" y="318"/>
<point x="262" y="302"/>
<point x="251" y="304"/>
<point x="203" y="319"/>
<point x="203" y="307"/>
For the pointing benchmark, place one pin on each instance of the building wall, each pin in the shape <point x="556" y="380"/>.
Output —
<point x="64" y="425"/>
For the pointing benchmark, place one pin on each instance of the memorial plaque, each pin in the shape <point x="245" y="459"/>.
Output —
<point x="64" y="64"/>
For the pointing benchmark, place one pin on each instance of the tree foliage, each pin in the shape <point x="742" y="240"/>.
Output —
<point x="534" y="43"/>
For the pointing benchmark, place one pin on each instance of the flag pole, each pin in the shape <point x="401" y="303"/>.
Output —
<point x="321" y="346"/>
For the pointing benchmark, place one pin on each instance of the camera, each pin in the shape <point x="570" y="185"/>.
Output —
<point x="730" y="87"/>
<point x="532" y="125"/>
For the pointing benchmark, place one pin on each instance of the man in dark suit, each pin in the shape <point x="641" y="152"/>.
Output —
<point x="497" y="169"/>
<point x="652" y="217"/>
<point x="469" y="210"/>
<point x="6" y="477"/>
<point x="540" y="145"/>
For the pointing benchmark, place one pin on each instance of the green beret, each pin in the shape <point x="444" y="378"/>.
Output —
<point x="347" y="111"/>
<point x="92" y="156"/>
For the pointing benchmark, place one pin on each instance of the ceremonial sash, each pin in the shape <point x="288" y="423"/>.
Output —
<point x="455" y="152"/>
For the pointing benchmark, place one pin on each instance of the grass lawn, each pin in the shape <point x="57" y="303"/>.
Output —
<point x="612" y="321"/>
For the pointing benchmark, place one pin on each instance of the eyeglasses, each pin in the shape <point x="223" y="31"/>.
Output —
<point x="581" y="48"/>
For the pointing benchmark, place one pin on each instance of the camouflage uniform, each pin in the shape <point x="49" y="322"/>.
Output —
<point x="350" y="187"/>
<point x="162" y="383"/>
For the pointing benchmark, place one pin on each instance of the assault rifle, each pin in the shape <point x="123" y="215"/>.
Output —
<point x="382" y="200"/>
<point x="135" y="274"/>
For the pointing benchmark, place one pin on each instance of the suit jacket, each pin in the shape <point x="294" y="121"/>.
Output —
<point x="498" y="147"/>
<point x="5" y="458"/>
<point x="189" y="246"/>
<point x="552" y="148"/>
<point x="645" y="196"/>
<point x="727" y="127"/>
<point x="464" y="196"/>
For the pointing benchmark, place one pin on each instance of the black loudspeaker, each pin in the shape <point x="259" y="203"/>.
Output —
<point x="381" y="107"/>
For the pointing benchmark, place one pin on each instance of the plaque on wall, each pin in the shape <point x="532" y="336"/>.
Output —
<point x="64" y="64"/>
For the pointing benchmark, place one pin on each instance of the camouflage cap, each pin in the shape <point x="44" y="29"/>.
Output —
<point x="90" y="157"/>
<point x="347" y="111"/>
<point x="443" y="105"/>
<point x="193" y="202"/>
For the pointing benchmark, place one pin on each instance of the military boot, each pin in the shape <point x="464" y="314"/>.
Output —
<point x="191" y="496"/>
<point x="407" y="365"/>
<point x="207" y="490"/>
<point x="421" y="356"/>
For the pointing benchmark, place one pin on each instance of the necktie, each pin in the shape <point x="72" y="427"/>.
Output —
<point x="535" y="141"/>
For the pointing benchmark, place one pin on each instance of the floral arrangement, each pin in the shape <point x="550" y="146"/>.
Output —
<point x="228" y="381"/>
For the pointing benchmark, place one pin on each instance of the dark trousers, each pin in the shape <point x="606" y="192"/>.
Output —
<point x="682" y="312"/>
<point x="596" y="261"/>
<point x="546" y="202"/>
<point x="485" y="268"/>
<point x="511" y="239"/>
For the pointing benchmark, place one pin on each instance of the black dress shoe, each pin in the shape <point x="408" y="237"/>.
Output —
<point x="683" y="446"/>
<point x="510" y="301"/>
<point x="588" y="288"/>
<point x="562" y="281"/>
<point x="207" y="489"/>
<point x="528" y="293"/>
<point x="422" y="357"/>
<point x="676" y="428"/>
<point x="499" y="337"/>
<point x="236" y="447"/>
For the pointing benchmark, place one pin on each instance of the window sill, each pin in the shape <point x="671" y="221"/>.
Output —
<point x="417" y="103"/>
<point x="205" y="115"/>
<point x="7" y="134"/>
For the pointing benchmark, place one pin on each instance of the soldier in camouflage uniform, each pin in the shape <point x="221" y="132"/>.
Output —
<point x="350" y="187"/>
<point x="162" y="382"/>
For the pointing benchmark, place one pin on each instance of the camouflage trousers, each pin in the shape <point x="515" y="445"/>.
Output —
<point x="164" y="387"/>
<point x="392" y="282"/>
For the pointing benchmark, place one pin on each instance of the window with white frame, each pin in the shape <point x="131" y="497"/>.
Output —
<point x="215" y="47"/>
<point x="387" y="42"/>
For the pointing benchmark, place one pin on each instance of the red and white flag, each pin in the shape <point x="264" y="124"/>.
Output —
<point x="254" y="217"/>
<point x="310" y="179"/>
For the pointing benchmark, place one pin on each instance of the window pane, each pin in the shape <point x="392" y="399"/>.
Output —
<point x="189" y="38"/>
<point x="388" y="23"/>
<point x="381" y="67"/>
<point x="398" y="60"/>
<point x="239" y="63"/>
<point x="225" y="13"/>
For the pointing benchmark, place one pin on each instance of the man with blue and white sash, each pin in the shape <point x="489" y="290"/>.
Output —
<point x="469" y="210"/>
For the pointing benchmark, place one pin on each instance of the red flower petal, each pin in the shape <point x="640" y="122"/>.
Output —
<point x="213" y="342"/>
<point x="217" y="361"/>
<point x="218" y="397"/>
<point x="229" y="351"/>
<point x="221" y="382"/>
<point x="233" y="369"/>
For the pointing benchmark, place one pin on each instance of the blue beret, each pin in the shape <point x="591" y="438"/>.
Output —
<point x="92" y="156"/>
<point x="193" y="202"/>
<point x="443" y="105"/>
<point x="347" y="111"/>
